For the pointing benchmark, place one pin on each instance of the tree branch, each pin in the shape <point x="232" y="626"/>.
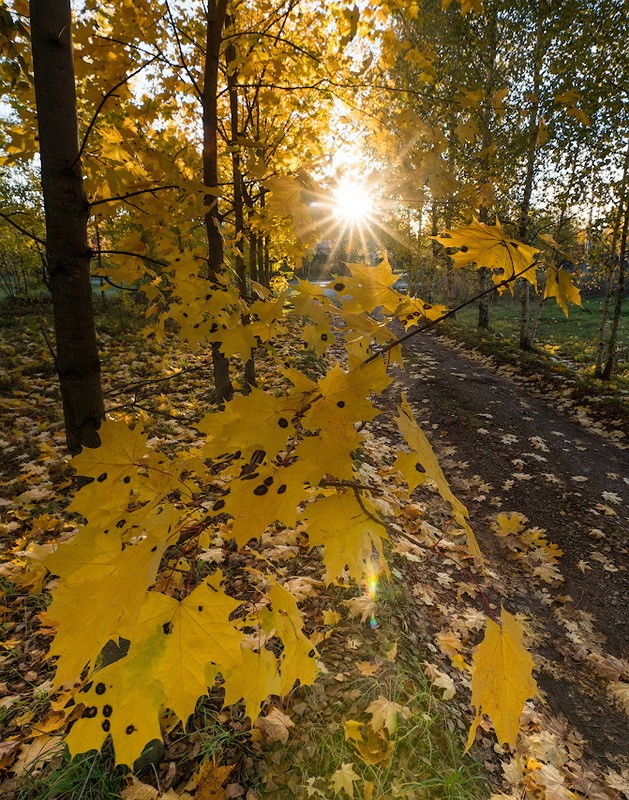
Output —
<point x="433" y="323"/>
<point x="132" y="194"/>
<point x="104" y="99"/>
<point x="30" y="235"/>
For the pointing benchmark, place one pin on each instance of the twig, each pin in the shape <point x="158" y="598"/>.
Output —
<point x="433" y="323"/>
<point x="104" y="99"/>
<point x="132" y="194"/>
<point x="21" y="229"/>
<point x="95" y="253"/>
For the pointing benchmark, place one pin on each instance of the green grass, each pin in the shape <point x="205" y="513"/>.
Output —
<point x="89" y="776"/>
<point x="427" y="759"/>
<point x="573" y="337"/>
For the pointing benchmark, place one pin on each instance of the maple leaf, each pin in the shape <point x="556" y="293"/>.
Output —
<point x="198" y="636"/>
<point x="275" y="725"/>
<point x="347" y="534"/>
<point x="123" y="465"/>
<point x="489" y="246"/>
<point x="253" y="679"/>
<point x="502" y="679"/>
<point x="122" y="701"/>
<point x="284" y="619"/>
<point x="426" y="458"/>
<point x="259" y="498"/>
<point x="384" y="714"/>
<point x="559" y="285"/>
<point x="255" y="421"/>
<point x="115" y="583"/>
<point x="344" y="779"/>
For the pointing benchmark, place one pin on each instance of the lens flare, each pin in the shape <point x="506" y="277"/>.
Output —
<point x="352" y="203"/>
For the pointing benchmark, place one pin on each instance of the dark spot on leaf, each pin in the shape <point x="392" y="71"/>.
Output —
<point x="102" y="477"/>
<point x="71" y="702"/>
<point x="167" y="627"/>
<point x="126" y="479"/>
<point x="200" y="608"/>
<point x="129" y="729"/>
<point x="268" y="481"/>
<point x="338" y="287"/>
<point x="107" y="711"/>
<point x="324" y="337"/>
<point x="214" y="328"/>
<point x="260" y="490"/>
<point x="90" y="712"/>
<point x="154" y="549"/>
<point x="237" y="454"/>
<point x="464" y="249"/>
<point x="87" y="686"/>
<point x="283" y="423"/>
<point x="106" y="725"/>
<point x="281" y="489"/>
<point x="100" y="688"/>
<point x="341" y="404"/>
<point x="218" y="505"/>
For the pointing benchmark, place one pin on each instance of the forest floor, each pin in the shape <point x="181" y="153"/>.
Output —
<point x="522" y="456"/>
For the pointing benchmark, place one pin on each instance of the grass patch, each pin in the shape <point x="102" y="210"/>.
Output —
<point x="89" y="776"/>
<point x="426" y="759"/>
<point x="571" y="338"/>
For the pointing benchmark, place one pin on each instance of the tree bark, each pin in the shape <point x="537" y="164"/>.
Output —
<point x="213" y="222"/>
<point x="526" y="339"/>
<point x="620" y="294"/>
<point x="239" y="218"/>
<point x="600" y="347"/>
<point x="66" y="211"/>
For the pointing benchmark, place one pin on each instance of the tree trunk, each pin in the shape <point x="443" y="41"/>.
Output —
<point x="239" y="218"/>
<point x="600" y="347"/>
<point x="213" y="222"/>
<point x="620" y="293"/>
<point x="66" y="210"/>
<point x="526" y="339"/>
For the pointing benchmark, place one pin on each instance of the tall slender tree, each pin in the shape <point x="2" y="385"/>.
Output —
<point x="66" y="211"/>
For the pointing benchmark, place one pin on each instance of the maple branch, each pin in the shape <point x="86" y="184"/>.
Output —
<point x="350" y="485"/>
<point x="276" y="38"/>
<point x="30" y="235"/>
<point x="116" y="285"/>
<point x="96" y="253"/>
<point x="104" y="99"/>
<point x="140" y="384"/>
<point x="132" y="194"/>
<point x="433" y="323"/>
<point x="186" y="68"/>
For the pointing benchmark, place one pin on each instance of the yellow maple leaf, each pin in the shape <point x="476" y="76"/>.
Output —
<point x="254" y="677"/>
<point x="255" y="421"/>
<point x="344" y="779"/>
<point x="98" y="601"/>
<point x="559" y="285"/>
<point x="123" y="465"/>
<point x="384" y="714"/>
<point x="489" y="246"/>
<point x="261" y="497"/>
<point x="347" y="534"/>
<point x="425" y="457"/>
<point x="502" y="679"/>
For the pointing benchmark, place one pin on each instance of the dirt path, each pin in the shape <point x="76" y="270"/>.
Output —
<point x="511" y="450"/>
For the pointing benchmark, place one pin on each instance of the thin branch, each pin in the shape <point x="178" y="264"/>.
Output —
<point x="22" y="230"/>
<point x="95" y="253"/>
<point x="186" y="68"/>
<point x="132" y="194"/>
<point x="433" y="323"/>
<point x="138" y="385"/>
<point x="104" y="99"/>
<point x="116" y="285"/>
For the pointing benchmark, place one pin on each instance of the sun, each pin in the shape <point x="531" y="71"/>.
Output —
<point x="352" y="203"/>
